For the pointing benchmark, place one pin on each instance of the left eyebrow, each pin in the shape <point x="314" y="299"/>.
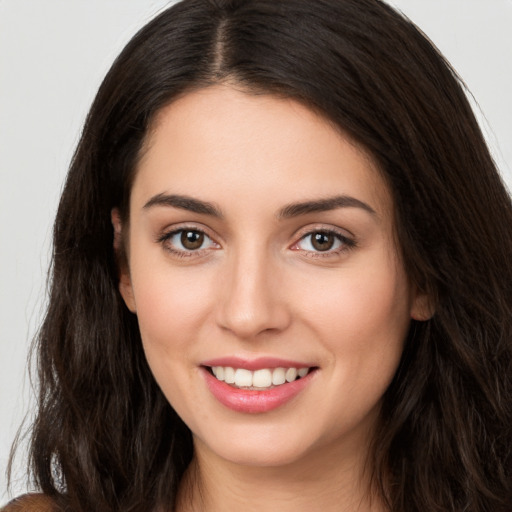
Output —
<point x="324" y="205"/>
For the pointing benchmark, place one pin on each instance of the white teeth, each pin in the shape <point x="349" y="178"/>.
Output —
<point x="259" y="379"/>
<point x="243" y="378"/>
<point x="262" y="378"/>
<point x="229" y="375"/>
<point x="291" y="374"/>
<point x="303" y="372"/>
<point x="218" y="371"/>
<point x="278" y="376"/>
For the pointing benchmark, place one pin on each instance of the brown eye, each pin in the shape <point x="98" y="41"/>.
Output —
<point x="322" y="241"/>
<point x="187" y="242"/>
<point x="191" y="240"/>
<point x="330" y="243"/>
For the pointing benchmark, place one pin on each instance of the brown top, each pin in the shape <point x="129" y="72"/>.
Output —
<point x="30" y="503"/>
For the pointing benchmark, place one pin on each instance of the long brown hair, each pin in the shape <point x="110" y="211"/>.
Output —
<point x="105" y="437"/>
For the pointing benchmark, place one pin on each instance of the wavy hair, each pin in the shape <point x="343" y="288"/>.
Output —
<point x="105" y="438"/>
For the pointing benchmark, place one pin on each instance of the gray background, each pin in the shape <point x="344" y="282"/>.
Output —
<point x="53" y="55"/>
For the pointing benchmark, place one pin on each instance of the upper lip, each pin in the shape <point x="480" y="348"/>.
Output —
<point x="257" y="363"/>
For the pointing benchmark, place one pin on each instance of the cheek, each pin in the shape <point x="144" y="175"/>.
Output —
<point x="362" y="319"/>
<point x="172" y="305"/>
<point x="368" y="303"/>
<point x="362" y="323"/>
<point x="172" y="309"/>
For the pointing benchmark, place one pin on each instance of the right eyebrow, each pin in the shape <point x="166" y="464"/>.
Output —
<point x="184" y="203"/>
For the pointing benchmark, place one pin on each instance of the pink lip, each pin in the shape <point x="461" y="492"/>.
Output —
<point x="252" y="401"/>
<point x="256" y="364"/>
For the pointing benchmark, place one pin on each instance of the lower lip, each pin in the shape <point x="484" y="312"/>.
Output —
<point x="252" y="401"/>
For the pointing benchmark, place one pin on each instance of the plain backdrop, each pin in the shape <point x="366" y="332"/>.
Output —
<point x="53" y="55"/>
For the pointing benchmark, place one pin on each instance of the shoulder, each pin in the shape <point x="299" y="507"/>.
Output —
<point x="31" y="503"/>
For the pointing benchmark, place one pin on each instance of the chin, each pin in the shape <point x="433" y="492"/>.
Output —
<point x="260" y="448"/>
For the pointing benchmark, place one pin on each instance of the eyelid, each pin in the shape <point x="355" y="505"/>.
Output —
<point x="167" y="234"/>
<point x="326" y="228"/>
<point x="347" y="239"/>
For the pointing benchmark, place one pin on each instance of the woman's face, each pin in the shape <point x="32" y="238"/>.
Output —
<point x="261" y="243"/>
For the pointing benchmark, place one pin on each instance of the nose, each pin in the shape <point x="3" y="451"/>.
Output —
<point x="252" y="301"/>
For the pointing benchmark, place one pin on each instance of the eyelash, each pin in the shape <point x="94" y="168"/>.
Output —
<point x="183" y="253"/>
<point x="346" y="243"/>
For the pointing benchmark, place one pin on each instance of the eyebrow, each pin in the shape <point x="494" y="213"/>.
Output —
<point x="324" y="205"/>
<point x="184" y="203"/>
<point x="289" y="211"/>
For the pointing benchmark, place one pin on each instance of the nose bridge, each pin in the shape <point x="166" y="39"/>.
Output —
<point x="251" y="301"/>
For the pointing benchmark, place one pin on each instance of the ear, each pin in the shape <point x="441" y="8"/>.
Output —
<point x="422" y="308"/>
<point x="125" y="282"/>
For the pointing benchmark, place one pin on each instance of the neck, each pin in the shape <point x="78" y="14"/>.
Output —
<point x="328" y="481"/>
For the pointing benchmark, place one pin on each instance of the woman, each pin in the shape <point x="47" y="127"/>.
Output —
<point x="281" y="275"/>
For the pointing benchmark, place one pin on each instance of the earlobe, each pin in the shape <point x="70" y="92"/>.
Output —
<point x="126" y="291"/>
<point x="422" y="307"/>
<point x="125" y="284"/>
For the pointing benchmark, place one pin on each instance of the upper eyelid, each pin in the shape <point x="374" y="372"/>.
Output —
<point x="299" y="234"/>
<point x="172" y="230"/>
<point x="308" y="230"/>
<point x="165" y="239"/>
<point x="347" y="239"/>
<point x="341" y="237"/>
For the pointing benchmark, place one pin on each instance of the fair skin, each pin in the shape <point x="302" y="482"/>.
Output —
<point x="320" y="285"/>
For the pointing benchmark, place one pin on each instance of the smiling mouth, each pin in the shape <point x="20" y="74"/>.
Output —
<point x="258" y="380"/>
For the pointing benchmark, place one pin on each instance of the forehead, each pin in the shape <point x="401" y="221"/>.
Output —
<point x="259" y="147"/>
